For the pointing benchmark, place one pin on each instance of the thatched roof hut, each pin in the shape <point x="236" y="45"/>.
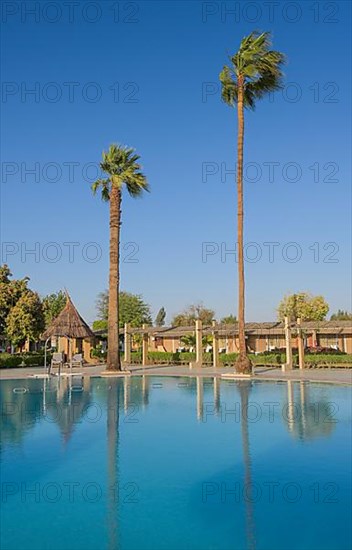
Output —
<point x="68" y="323"/>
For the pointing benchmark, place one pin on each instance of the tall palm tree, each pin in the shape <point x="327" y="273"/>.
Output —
<point x="255" y="70"/>
<point x="121" y="165"/>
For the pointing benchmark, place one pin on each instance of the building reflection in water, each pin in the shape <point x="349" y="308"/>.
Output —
<point x="65" y="401"/>
<point x="58" y="400"/>
<point x="307" y="416"/>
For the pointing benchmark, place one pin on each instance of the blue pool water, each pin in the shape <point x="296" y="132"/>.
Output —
<point x="170" y="463"/>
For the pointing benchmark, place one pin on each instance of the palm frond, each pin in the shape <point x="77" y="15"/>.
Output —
<point x="102" y="184"/>
<point x="121" y="163"/>
<point x="229" y="86"/>
<point x="105" y="193"/>
<point x="259" y="67"/>
<point x="99" y="184"/>
<point x="136" y="184"/>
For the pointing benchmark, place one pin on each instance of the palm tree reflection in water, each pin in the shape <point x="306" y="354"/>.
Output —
<point x="244" y="387"/>
<point x="113" y="416"/>
<point x="65" y="403"/>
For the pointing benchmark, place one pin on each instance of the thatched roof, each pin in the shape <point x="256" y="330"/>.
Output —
<point x="68" y="323"/>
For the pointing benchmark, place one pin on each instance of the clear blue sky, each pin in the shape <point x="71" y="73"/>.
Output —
<point x="153" y="68"/>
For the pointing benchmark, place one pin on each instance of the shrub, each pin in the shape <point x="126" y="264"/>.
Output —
<point x="8" y="360"/>
<point x="269" y="359"/>
<point x="98" y="353"/>
<point x="265" y="359"/>
<point x="228" y="358"/>
<point x="325" y="351"/>
<point x="36" y="360"/>
<point x="275" y="351"/>
<point x="161" y="356"/>
<point x="328" y="359"/>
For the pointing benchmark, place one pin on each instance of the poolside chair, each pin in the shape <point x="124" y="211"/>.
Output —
<point x="57" y="360"/>
<point x="77" y="360"/>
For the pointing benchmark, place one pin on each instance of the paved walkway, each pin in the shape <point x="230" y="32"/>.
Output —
<point x="333" y="376"/>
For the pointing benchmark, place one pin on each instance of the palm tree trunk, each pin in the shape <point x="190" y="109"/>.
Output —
<point x="243" y="363"/>
<point x="113" y="359"/>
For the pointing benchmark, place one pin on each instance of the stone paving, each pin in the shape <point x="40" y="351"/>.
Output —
<point x="332" y="375"/>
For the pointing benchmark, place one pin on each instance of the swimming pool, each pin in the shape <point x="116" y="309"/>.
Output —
<point x="174" y="463"/>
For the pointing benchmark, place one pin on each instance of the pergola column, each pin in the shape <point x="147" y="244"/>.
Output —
<point x="290" y="405"/>
<point x="145" y="390"/>
<point x="216" y="394"/>
<point x="289" y="363"/>
<point x="315" y="338"/>
<point x="126" y="392"/>
<point x="127" y="353"/>
<point x="199" y="346"/>
<point x="300" y="344"/>
<point x="145" y="343"/>
<point x="199" y="397"/>
<point x="216" y="359"/>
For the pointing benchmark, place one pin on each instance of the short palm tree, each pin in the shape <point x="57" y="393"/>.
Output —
<point x="121" y="165"/>
<point x="255" y="70"/>
<point x="190" y="340"/>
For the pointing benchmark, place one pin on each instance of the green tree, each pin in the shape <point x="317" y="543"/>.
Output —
<point x="341" y="315"/>
<point x="5" y="296"/>
<point x="102" y="305"/>
<point x="100" y="324"/>
<point x="254" y="71"/>
<point x="191" y="314"/>
<point x="53" y="304"/>
<point x="160" y="318"/>
<point x="228" y="320"/>
<point x="11" y="291"/>
<point x="26" y="319"/>
<point x="133" y="310"/>
<point x="5" y="273"/>
<point x="121" y="164"/>
<point x="303" y="305"/>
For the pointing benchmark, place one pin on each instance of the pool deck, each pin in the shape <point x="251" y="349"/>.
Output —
<point x="325" y="375"/>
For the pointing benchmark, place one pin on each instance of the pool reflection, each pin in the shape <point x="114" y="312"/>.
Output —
<point x="68" y="405"/>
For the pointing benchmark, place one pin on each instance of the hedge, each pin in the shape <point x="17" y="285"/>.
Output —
<point x="274" y="359"/>
<point x="160" y="357"/>
<point x="30" y="360"/>
<point x="328" y="359"/>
